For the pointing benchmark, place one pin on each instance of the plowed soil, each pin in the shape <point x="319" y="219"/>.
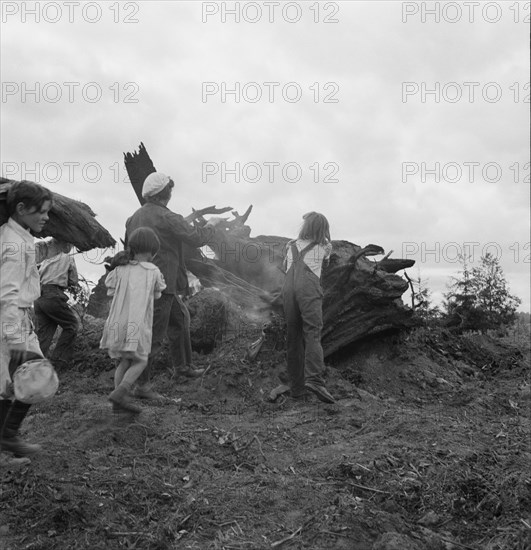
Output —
<point x="427" y="448"/>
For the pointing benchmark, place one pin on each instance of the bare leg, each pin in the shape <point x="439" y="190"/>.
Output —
<point x="126" y="375"/>
<point x="136" y="367"/>
<point x="120" y="371"/>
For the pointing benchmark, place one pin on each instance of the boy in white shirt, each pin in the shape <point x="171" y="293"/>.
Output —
<point x="52" y="309"/>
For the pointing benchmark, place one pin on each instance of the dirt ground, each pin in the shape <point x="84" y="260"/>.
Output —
<point x="427" y="448"/>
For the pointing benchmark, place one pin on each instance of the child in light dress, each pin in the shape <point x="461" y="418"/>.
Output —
<point x="127" y="333"/>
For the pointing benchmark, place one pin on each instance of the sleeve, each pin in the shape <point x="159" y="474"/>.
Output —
<point x="110" y="282"/>
<point x="182" y="230"/>
<point x="160" y="285"/>
<point x="73" y="277"/>
<point x="10" y="279"/>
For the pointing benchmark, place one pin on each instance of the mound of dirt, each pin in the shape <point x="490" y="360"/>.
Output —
<point x="425" y="449"/>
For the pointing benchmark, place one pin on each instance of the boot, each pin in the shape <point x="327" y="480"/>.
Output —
<point x="321" y="392"/>
<point x="9" y="439"/>
<point x="120" y="397"/>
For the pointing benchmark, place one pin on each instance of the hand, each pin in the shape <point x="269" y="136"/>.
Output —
<point x="200" y="220"/>
<point x="64" y="246"/>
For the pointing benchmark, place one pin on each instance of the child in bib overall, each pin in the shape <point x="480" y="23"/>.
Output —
<point x="127" y="334"/>
<point x="302" y="297"/>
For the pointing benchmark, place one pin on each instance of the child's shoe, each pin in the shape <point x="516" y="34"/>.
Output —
<point x="321" y="392"/>
<point x="120" y="397"/>
<point x="299" y="396"/>
<point x="10" y="440"/>
<point x="275" y="393"/>
<point x="18" y="447"/>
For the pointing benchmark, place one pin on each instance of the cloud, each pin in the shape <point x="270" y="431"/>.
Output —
<point x="152" y="77"/>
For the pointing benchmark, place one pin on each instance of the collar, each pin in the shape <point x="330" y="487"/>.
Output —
<point x="156" y="204"/>
<point x="17" y="228"/>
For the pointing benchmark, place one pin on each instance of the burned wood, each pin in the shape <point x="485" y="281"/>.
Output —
<point x="411" y="288"/>
<point x="240" y="220"/>
<point x="369" y="250"/>
<point x="138" y="165"/>
<point x="70" y="220"/>
<point x="393" y="265"/>
<point x="361" y="297"/>
<point x="197" y="214"/>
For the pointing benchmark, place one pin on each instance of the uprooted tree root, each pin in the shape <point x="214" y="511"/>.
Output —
<point x="428" y="451"/>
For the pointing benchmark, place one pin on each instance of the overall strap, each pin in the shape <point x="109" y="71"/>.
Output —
<point x="294" y="253"/>
<point x="305" y="250"/>
<point x="296" y="256"/>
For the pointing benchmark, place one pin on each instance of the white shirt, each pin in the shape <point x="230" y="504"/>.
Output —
<point x="19" y="288"/>
<point x="59" y="270"/>
<point x="314" y="258"/>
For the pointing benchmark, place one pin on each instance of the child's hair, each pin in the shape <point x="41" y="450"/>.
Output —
<point x="315" y="228"/>
<point x="32" y="195"/>
<point x="142" y="241"/>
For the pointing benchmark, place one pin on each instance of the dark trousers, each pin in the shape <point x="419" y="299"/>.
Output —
<point x="171" y="318"/>
<point x="51" y="311"/>
<point x="303" y="299"/>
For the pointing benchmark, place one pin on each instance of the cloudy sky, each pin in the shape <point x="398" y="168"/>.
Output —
<point x="405" y="123"/>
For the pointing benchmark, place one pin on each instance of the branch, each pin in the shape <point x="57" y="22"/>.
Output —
<point x="410" y="282"/>
<point x="208" y="210"/>
<point x="369" y="250"/>
<point x="240" y="220"/>
<point x="285" y="539"/>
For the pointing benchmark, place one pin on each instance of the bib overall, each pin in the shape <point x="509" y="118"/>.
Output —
<point x="303" y="298"/>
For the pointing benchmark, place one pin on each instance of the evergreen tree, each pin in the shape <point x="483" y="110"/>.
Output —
<point x="480" y="299"/>
<point x="497" y="304"/>
<point x="422" y="300"/>
<point x="460" y="300"/>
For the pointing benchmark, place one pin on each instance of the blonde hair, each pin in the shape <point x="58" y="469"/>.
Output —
<point x="315" y="228"/>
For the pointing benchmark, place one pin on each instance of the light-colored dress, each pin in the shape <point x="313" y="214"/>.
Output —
<point x="128" y="329"/>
